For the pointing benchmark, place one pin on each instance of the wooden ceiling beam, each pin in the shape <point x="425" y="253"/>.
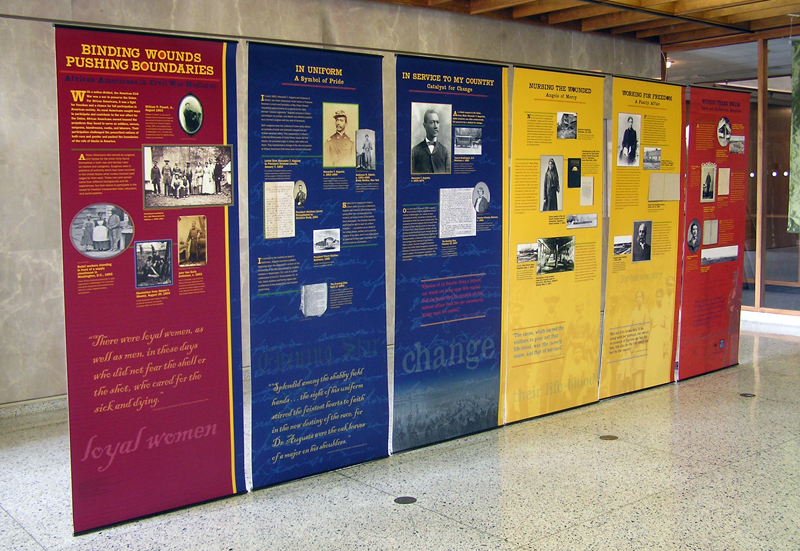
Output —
<point x="695" y="35"/>
<point x="773" y="23"/>
<point x="679" y="28"/>
<point x="539" y="7"/>
<point x="661" y="22"/>
<point x="753" y="6"/>
<point x="482" y="6"/>
<point x="688" y="7"/>
<point x="575" y="14"/>
<point x="760" y="15"/>
<point x="616" y="19"/>
<point x="782" y="32"/>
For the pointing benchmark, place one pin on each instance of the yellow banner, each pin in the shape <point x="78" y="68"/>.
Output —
<point x="554" y="256"/>
<point x="644" y="223"/>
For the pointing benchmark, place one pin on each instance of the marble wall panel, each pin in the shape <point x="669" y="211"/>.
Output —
<point x="450" y="34"/>
<point x="32" y="350"/>
<point x="29" y="195"/>
<point x="639" y="59"/>
<point x="593" y="52"/>
<point x="536" y="45"/>
<point x="56" y="10"/>
<point x="370" y="25"/>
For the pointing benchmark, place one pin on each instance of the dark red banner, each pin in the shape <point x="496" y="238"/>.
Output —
<point x="716" y="205"/>
<point x="147" y="151"/>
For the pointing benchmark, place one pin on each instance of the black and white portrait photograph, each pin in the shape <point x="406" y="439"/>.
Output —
<point x="556" y="254"/>
<point x="365" y="149"/>
<point x="724" y="131"/>
<point x="527" y="252"/>
<point x="693" y="236"/>
<point x="326" y="241"/>
<point x="190" y="114"/>
<point x="622" y="245"/>
<point x="652" y="158"/>
<point x="480" y="197"/>
<point x="708" y="182"/>
<point x="178" y="176"/>
<point x="629" y="128"/>
<point x="566" y="126"/>
<point x="153" y="263"/>
<point x="300" y="193"/>
<point x="339" y="125"/>
<point x="551" y="183"/>
<point x="431" y="127"/>
<point x="192" y="239"/>
<point x="101" y="230"/>
<point x="642" y="230"/>
<point x="468" y="140"/>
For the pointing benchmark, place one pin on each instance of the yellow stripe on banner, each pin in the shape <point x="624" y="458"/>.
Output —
<point x="228" y="269"/>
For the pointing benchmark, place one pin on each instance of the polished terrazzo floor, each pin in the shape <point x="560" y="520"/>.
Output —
<point x="695" y="466"/>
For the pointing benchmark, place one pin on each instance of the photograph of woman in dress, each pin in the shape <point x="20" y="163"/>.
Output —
<point x="551" y="182"/>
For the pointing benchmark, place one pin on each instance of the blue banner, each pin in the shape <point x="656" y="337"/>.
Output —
<point x="450" y="167"/>
<point x="317" y="268"/>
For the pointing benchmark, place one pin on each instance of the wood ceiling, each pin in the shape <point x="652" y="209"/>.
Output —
<point x="676" y="25"/>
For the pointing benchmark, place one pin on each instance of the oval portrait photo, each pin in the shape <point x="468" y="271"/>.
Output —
<point x="190" y="114"/>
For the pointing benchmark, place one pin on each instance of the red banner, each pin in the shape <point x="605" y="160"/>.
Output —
<point x="147" y="149"/>
<point x="716" y="205"/>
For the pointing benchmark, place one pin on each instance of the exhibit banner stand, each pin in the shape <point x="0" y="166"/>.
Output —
<point x="147" y="150"/>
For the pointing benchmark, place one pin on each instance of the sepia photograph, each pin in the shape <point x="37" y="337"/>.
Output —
<point x="192" y="234"/>
<point x="153" y="263"/>
<point x="556" y="254"/>
<point x="431" y="125"/>
<point x="736" y="145"/>
<point x="365" y="149"/>
<point x="641" y="245"/>
<point x="551" y="174"/>
<point x="190" y="114"/>
<point x="326" y="241"/>
<point x="300" y="193"/>
<point x="622" y="244"/>
<point x="527" y="252"/>
<point x="178" y="176"/>
<point x="628" y="131"/>
<point x="708" y="179"/>
<point x="101" y="231"/>
<point x="339" y="126"/>
<point x="468" y="141"/>
<point x="566" y="126"/>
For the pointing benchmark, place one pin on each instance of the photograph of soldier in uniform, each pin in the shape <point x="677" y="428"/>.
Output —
<point x="339" y="125"/>
<point x="179" y="176"/>
<point x="556" y="254"/>
<point x="153" y="263"/>
<point x="365" y="149"/>
<point x="101" y="231"/>
<point x="628" y="131"/>
<point x="708" y="182"/>
<point x="431" y="125"/>
<point x="567" y="126"/>
<point x="192" y="233"/>
<point x="190" y="114"/>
